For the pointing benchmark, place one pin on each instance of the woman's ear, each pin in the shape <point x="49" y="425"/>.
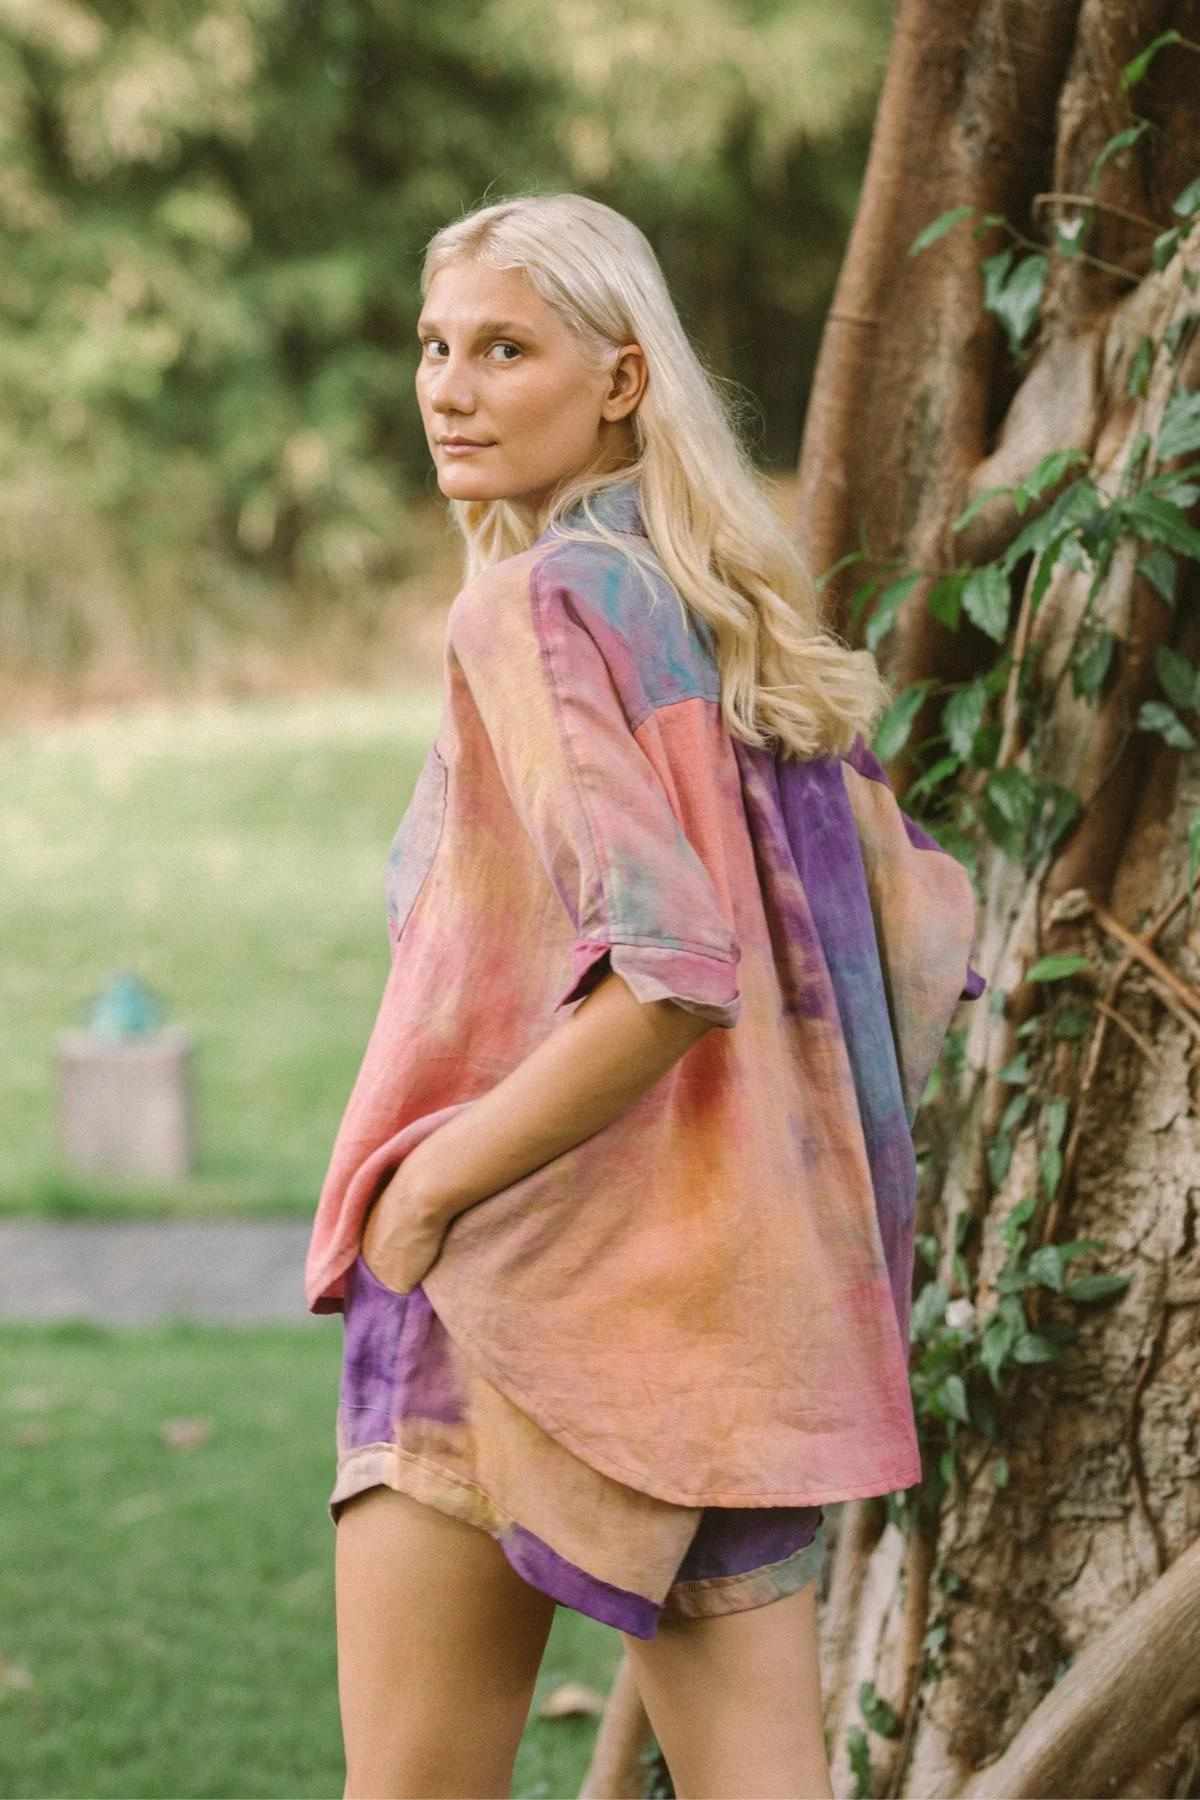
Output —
<point x="628" y="383"/>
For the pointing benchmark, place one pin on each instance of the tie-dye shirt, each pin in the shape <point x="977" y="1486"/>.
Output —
<point x="708" y="1300"/>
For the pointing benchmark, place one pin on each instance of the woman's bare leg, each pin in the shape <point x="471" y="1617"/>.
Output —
<point x="439" y="1644"/>
<point x="735" y="1701"/>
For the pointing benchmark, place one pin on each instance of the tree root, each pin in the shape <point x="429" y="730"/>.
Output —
<point x="1124" y="1698"/>
<point x="615" y="1771"/>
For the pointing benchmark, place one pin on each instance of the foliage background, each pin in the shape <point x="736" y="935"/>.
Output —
<point x="212" y="216"/>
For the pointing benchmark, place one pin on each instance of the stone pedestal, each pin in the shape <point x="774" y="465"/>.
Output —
<point x="125" y="1105"/>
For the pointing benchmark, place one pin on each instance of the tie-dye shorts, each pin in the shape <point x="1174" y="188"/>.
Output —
<point x="414" y="1414"/>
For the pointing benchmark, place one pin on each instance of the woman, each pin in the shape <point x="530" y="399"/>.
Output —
<point x="625" y="1296"/>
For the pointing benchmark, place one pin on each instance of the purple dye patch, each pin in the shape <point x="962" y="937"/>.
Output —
<point x="395" y="1360"/>
<point x="732" y="1540"/>
<point x="544" y="1568"/>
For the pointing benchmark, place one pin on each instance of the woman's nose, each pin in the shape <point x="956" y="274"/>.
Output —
<point x="450" y="389"/>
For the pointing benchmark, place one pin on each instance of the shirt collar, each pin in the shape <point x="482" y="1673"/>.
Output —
<point x="616" y="506"/>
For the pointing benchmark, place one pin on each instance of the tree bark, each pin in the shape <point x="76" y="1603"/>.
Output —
<point x="1045" y="1583"/>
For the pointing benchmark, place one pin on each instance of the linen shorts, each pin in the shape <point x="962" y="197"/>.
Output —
<point x="415" y="1414"/>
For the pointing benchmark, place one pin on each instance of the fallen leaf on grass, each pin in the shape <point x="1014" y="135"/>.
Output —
<point x="185" y="1434"/>
<point x="36" y="1432"/>
<point x="571" y="1697"/>
<point x="12" y="1675"/>
<point x="34" y="1399"/>
<point x="135" y="1508"/>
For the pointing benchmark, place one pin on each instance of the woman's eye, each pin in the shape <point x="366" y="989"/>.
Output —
<point x="429" y="345"/>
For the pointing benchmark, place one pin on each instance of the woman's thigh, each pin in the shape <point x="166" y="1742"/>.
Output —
<point x="735" y="1701"/>
<point x="439" y="1645"/>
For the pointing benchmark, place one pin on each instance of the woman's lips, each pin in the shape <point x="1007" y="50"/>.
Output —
<point x="462" y="449"/>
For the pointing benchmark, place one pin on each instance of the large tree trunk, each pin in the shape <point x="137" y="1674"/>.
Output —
<point x="1068" y="1600"/>
<point x="918" y="406"/>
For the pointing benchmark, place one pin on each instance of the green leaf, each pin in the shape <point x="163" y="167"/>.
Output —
<point x="1013" y="1232"/>
<point x="1057" y="809"/>
<point x="952" y="1396"/>
<point x="1000" y="1472"/>
<point x="1032" y="1348"/>
<point x="1187" y="204"/>
<point x="861" y="595"/>
<point x="999" y="1157"/>
<point x="1054" y="1120"/>
<point x="880" y="1716"/>
<point x="986" y="600"/>
<point x="1154" y="716"/>
<point x="1179" y="433"/>
<point x="891" y="734"/>
<point x="1180" y="678"/>
<point x="1140" y="364"/>
<point x="962" y="716"/>
<point x="1054" y="968"/>
<point x="1135" y="70"/>
<point x="945" y="598"/>
<point x="1177" y="331"/>
<point x="843" y="562"/>
<point x="1013" y="794"/>
<point x="1070" y="232"/>
<point x="1162" y="523"/>
<point x="994" y="1348"/>
<point x="982" y="499"/>
<point x="1090" y="1288"/>
<point x="1049" y="472"/>
<point x="937" y="772"/>
<point x="1123" y="140"/>
<point x="1077" y="505"/>
<point x="1090" y="662"/>
<point x="938" y="228"/>
<point x="1078" y="1247"/>
<point x="1160" y="569"/>
<point x="887" y="606"/>
<point x="1180" y="493"/>
<point x="1045" y="568"/>
<point x="1013" y="294"/>
<point x="1164" y="247"/>
<point x="928" y="1310"/>
<point x="1045" y="1266"/>
<point x="859" y="1753"/>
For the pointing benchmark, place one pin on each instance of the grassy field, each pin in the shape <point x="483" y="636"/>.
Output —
<point x="166" y="1609"/>
<point x="233" y="855"/>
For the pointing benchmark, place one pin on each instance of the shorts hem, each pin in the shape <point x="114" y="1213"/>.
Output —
<point x="719" y="1594"/>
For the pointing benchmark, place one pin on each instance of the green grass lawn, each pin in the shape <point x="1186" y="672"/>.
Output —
<point x="233" y="855"/>
<point x="166" y="1614"/>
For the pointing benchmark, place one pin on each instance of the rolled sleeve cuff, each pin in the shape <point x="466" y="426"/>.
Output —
<point x="703" y="984"/>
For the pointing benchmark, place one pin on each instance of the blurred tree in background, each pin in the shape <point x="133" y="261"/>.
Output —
<point x="212" y="215"/>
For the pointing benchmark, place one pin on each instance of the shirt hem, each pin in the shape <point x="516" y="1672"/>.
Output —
<point x="905" y="1476"/>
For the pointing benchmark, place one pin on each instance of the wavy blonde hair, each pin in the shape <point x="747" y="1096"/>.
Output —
<point x="788" y="682"/>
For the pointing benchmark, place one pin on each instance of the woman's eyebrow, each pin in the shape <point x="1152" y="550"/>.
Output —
<point x="484" y="326"/>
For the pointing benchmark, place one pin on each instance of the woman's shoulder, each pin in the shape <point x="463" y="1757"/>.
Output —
<point x="584" y="596"/>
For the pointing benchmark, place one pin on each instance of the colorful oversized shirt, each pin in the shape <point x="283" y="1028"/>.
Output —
<point x="708" y="1299"/>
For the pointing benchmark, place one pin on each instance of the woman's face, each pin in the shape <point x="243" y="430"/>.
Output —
<point x="498" y="366"/>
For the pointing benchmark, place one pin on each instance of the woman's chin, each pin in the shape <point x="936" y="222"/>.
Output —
<point x="468" y="484"/>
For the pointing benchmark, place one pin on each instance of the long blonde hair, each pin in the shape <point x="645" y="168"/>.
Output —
<point x="788" y="683"/>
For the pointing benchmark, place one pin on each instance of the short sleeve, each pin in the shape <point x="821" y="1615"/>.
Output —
<point x="638" y="895"/>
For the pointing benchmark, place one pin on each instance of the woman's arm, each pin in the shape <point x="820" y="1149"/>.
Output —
<point x="570" y="1086"/>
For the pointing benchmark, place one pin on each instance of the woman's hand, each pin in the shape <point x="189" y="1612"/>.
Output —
<point x="402" y="1238"/>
